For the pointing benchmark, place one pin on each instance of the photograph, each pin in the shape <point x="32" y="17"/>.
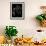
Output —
<point x="17" y="10"/>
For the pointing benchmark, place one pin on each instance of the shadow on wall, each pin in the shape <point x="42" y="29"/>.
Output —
<point x="2" y="29"/>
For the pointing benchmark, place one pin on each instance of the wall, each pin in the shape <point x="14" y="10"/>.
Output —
<point x="27" y="26"/>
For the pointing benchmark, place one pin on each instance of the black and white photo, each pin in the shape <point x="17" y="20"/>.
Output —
<point x="17" y="10"/>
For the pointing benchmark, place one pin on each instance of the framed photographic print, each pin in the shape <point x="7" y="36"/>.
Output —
<point x="17" y="10"/>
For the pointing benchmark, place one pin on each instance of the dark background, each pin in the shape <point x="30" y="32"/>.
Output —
<point x="16" y="10"/>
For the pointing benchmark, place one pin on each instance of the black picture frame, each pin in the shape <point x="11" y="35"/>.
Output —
<point x="17" y="10"/>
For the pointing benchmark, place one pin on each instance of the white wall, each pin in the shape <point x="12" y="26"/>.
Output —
<point x="27" y="26"/>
